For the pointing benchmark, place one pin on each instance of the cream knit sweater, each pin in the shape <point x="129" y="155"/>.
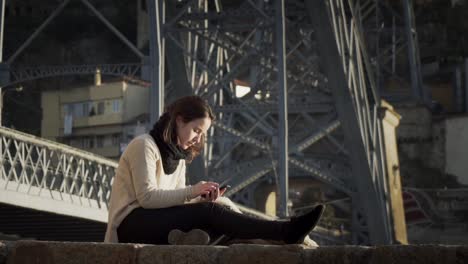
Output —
<point x="140" y="181"/>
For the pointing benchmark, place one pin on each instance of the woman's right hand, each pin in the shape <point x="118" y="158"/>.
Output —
<point x="204" y="188"/>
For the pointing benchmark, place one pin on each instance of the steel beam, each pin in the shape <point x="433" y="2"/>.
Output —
<point x="410" y="30"/>
<point x="2" y="76"/>
<point x="155" y="14"/>
<point x="29" y="73"/>
<point x="375" y="208"/>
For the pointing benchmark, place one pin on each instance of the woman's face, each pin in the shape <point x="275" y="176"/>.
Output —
<point x="191" y="132"/>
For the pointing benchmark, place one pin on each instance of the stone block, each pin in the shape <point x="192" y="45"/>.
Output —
<point x="259" y="254"/>
<point x="26" y="252"/>
<point x="427" y="254"/>
<point x="36" y="252"/>
<point x="461" y="254"/>
<point x="5" y="249"/>
<point x="179" y="254"/>
<point x="3" y="252"/>
<point x="337" y="254"/>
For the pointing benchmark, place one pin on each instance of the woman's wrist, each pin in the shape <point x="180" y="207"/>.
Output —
<point x="189" y="193"/>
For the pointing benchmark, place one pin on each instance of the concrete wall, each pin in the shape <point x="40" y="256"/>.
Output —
<point x="53" y="111"/>
<point x="416" y="121"/>
<point x="439" y="143"/>
<point x="420" y="137"/>
<point x="135" y="101"/>
<point x="50" y="114"/>
<point x="24" y="252"/>
<point x="106" y="91"/>
<point x="456" y="147"/>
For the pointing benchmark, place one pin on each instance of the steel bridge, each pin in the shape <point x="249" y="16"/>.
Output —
<point x="313" y="110"/>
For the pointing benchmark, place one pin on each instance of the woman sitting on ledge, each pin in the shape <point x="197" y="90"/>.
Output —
<point x="149" y="197"/>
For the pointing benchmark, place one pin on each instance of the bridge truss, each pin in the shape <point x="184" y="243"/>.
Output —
<point x="311" y="110"/>
<point x="279" y="50"/>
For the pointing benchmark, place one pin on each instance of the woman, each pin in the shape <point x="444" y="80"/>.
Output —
<point x="149" y="197"/>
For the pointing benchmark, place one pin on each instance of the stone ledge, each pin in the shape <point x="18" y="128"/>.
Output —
<point x="37" y="252"/>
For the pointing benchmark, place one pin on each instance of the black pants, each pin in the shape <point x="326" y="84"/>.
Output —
<point x="152" y="226"/>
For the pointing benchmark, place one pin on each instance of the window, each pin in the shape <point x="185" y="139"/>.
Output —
<point x="115" y="139"/>
<point x="100" y="108"/>
<point x="92" y="111"/>
<point x="116" y="105"/>
<point x="78" y="110"/>
<point x="76" y="142"/>
<point x="66" y="109"/>
<point x="88" y="142"/>
<point x="86" y="107"/>
<point x="108" y="141"/>
<point x="69" y="109"/>
<point x="100" y="141"/>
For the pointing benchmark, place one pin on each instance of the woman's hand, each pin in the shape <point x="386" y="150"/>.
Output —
<point x="222" y="191"/>
<point x="206" y="188"/>
<point x="214" y="195"/>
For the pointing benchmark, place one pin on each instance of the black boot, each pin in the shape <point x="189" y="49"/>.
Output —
<point x="299" y="227"/>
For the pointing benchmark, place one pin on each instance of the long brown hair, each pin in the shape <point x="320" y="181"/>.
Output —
<point x="189" y="108"/>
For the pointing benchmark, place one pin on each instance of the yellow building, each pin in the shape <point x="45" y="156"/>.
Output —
<point x="100" y="118"/>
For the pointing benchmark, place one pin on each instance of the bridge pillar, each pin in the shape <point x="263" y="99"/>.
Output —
<point x="391" y="119"/>
<point x="265" y="198"/>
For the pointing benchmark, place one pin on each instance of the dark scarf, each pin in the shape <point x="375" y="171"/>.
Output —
<point x="171" y="153"/>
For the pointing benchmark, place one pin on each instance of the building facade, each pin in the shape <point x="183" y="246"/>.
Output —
<point x="101" y="118"/>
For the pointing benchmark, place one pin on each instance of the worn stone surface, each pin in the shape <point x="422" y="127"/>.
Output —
<point x="5" y="249"/>
<point x="415" y="122"/>
<point x="3" y="253"/>
<point x="338" y="254"/>
<point x="258" y="254"/>
<point x="36" y="252"/>
<point x="180" y="254"/>
<point x="461" y="254"/>
<point x="26" y="252"/>
<point x="415" y="254"/>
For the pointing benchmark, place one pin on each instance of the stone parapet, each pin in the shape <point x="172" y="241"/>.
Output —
<point x="29" y="252"/>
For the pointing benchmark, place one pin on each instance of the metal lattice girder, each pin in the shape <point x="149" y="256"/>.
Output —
<point x="225" y="40"/>
<point x="321" y="174"/>
<point x="389" y="30"/>
<point x="48" y="176"/>
<point x="221" y="51"/>
<point x="216" y="55"/>
<point x="263" y="61"/>
<point x="357" y="102"/>
<point x="22" y="74"/>
<point x="239" y="134"/>
<point x="315" y="137"/>
<point x="245" y="173"/>
<point x="292" y="108"/>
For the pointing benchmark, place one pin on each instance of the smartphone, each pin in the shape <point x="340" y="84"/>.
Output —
<point x="225" y="187"/>
<point x="220" y="188"/>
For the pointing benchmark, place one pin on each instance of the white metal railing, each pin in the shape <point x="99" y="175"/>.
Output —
<point x="48" y="170"/>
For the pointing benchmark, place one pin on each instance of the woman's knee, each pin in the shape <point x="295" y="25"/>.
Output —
<point x="209" y="208"/>
<point x="228" y="203"/>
